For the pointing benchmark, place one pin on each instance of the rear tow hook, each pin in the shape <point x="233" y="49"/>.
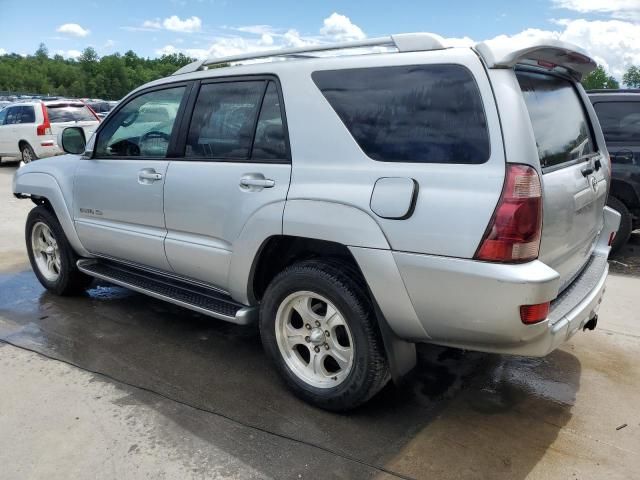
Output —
<point x="591" y="324"/>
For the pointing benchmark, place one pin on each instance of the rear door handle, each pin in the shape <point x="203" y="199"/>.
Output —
<point x="255" y="181"/>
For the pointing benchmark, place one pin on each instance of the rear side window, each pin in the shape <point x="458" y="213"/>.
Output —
<point x="27" y="115"/>
<point x="559" y="121"/>
<point x="620" y="121"/>
<point x="224" y="119"/>
<point x="61" y="113"/>
<point x="422" y="113"/>
<point x="269" y="143"/>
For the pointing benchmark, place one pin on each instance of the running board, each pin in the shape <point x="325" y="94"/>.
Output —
<point x="194" y="297"/>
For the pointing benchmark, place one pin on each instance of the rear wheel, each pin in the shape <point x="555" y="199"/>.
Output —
<point x="318" y="327"/>
<point x="51" y="256"/>
<point x="624" y="231"/>
<point x="27" y="153"/>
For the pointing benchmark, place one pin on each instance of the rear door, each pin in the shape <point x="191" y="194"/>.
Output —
<point x="574" y="174"/>
<point x="8" y="133"/>
<point x="235" y="161"/>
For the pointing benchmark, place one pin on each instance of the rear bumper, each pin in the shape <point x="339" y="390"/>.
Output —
<point x="47" y="148"/>
<point x="476" y="305"/>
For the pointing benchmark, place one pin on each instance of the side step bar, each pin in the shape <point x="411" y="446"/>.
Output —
<point x="194" y="297"/>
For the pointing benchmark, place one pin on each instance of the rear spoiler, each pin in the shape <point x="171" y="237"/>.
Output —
<point x="550" y="54"/>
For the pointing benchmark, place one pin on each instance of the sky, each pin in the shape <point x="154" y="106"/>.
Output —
<point x="608" y="29"/>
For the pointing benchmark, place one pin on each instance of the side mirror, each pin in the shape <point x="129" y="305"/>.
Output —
<point x="72" y="140"/>
<point x="623" y="156"/>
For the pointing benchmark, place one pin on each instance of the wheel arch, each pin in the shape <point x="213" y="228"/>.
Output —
<point x="625" y="192"/>
<point x="44" y="189"/>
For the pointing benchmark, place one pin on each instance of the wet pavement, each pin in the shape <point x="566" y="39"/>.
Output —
<point x="162" y="392"/>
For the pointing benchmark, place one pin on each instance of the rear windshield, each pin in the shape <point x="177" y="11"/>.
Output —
<point x="558" y="118"/>
<point x="415" y="113"/>
<point x="620" y="121"/>
<point x="69" y="113"/>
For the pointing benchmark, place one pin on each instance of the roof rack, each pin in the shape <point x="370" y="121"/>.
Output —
<point x="404" y="42"/>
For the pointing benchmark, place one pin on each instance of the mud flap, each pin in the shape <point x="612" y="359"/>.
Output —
<point x="401" y="354"/>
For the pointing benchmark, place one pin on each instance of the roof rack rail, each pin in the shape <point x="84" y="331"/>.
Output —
<point x="404" y="42"/>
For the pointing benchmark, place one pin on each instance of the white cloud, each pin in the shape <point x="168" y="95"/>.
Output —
<point x="73" y="29"/>
<point x="74" y="54"/>
<point x="109" y="44"/>
<point x="152" y="24"/>
<point x="3" y="51"/>
<point x="188" y="25"/>
<point x="266" y="39"/>
<point x="621" y="9"/>
<point x="340" y="28"/>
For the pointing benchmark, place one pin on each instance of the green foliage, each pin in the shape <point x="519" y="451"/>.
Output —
<point x="599" y="79"/>
<point x="109" y="77"/>
<point x="632" y="77"/>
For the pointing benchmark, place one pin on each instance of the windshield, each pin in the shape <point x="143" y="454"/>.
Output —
<point x="69" y="113"/>
<point x="558" y="118"/>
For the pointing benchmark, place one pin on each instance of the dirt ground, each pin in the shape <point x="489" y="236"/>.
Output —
<point x="115" y="385"/>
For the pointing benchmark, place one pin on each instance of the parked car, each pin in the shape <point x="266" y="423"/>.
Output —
<point x="619" y="115"/>
<point x="100" y="107"/>
<point x="352" y="205"/>
<point x="29" y="129"/>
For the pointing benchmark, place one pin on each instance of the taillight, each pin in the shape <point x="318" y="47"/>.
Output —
<point x="45" y="128"/>
<point x="534" y="313"/>
<point x="513" y="234"/>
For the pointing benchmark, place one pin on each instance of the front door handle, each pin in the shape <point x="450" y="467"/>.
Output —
<point x="148" y="175"/>
<point x="256" y="181"/>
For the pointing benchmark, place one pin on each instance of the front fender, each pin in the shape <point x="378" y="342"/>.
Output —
<point x="45" y="185"/>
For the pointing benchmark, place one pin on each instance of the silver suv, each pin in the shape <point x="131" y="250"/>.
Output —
<point x="352" y="199"/>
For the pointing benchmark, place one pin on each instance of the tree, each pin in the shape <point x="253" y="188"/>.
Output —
<point x="42" y="52"/>
<point x="599" y="79"/>
<point x="110" y="77"/>
<point x="632" y="77"/>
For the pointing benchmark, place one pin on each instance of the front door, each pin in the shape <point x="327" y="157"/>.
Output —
<point x="118" y="204"/>
<point x="236" y="161"/>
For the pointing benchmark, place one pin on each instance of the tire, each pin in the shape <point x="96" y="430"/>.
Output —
<point x="56" y="270"/>
<point x="625" y="229"/>
<point x="353" y="335"/>
<point x="27" y="154"/>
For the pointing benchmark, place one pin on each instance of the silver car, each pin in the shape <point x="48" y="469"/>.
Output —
<point x="350" y="204"/>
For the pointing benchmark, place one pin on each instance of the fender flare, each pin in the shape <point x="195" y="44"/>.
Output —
<point x="44" y="185"/>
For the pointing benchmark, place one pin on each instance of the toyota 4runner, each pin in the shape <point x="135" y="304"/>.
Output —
<point x="353" y="199"/>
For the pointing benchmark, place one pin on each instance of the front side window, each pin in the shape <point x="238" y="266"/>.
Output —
<point x="559" y="121"/>
<point x="224" y="119"/>
<point x="142" y="127"/>
<point x="620" y="121"/>
<point x="414" y="113"/>
<point x="13" y="115"/>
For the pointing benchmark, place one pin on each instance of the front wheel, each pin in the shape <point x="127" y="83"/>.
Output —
<point x="318" y="327"/>
<point x="51" y="256"/>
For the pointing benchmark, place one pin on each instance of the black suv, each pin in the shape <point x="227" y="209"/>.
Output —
<point x="619" y="115"/>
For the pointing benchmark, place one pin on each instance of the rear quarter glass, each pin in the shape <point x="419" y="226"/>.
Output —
<point x="414" y="113"/>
